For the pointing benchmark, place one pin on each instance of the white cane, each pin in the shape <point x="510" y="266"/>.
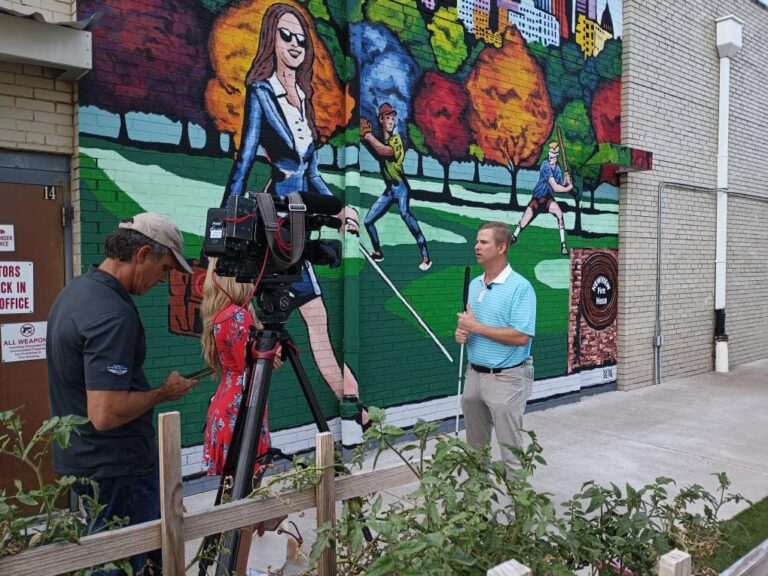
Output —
<point x="461" y="352"/>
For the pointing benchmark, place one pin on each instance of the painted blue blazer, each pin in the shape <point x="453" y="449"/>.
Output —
<point x="265" y="124"/>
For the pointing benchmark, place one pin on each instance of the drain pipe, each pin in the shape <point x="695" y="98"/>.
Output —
<point x="729" y="30"/>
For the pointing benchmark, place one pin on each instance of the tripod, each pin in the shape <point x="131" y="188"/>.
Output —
<point x="275" y="303"/>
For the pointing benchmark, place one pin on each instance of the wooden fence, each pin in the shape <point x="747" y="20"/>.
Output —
<point x="175" y="527"/>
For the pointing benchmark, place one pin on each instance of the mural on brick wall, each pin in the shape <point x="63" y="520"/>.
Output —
<point x="426" y="118"/>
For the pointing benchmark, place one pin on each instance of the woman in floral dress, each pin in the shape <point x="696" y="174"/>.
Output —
<point x="228" y="315"/>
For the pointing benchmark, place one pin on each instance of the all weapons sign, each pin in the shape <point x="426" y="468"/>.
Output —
<point x="25" y="341"/>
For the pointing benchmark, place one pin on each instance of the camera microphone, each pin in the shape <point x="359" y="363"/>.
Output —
<point x="321" y="203"/>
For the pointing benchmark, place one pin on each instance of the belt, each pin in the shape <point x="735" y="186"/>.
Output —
<point x="484" y="370"/>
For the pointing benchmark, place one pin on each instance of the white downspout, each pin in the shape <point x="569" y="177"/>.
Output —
<point x="728" y="44"/>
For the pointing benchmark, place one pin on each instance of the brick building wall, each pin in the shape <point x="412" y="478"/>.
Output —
<point x="52" y="10"/>
<point x="36" y="110"/>
<point x="670" y="107"/>
<point x="162" y="132"/>
<point x="747" y="289"/>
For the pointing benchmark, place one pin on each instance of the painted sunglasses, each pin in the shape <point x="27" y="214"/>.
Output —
<point x="287" y="36"/>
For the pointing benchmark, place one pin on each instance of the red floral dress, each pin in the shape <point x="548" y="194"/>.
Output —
<point x="230" y="331"/>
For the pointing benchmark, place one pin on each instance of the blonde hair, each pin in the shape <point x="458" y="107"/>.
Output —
<point x="500" y="231"/>
<point x="218" y="293"/>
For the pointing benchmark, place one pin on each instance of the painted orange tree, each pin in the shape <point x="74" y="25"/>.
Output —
<point x="509" y="108"/>
<point x="232" y="45"/>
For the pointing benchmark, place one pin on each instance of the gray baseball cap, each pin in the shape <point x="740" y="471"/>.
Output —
<point x="161" y="230"/>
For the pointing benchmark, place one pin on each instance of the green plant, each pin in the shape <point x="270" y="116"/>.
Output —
<point x="692" y="521"/>
<point x="615" y="532"/>
<point x="467" y="514"/>
<point x="30" y="517"/>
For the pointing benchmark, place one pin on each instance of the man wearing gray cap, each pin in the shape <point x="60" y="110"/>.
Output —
<point x="95" y="353"/>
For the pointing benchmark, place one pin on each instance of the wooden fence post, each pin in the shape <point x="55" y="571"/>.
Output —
<point x="510" y="568"/>
<point x="675" y="563"/>
<point x="171" y="493"/>
<point x="326" y="499"/>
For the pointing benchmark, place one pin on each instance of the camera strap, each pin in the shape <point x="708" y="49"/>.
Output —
<point x="296" y="210"/>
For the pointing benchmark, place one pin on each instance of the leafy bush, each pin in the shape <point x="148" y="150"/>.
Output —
<point x="468" y="514"/>
<point x="31" y="517"/>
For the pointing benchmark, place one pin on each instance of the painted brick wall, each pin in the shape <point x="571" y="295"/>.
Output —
<point x="670" y="100"/>
<point x="163" y="129"/>
<point x="36" y="110"/>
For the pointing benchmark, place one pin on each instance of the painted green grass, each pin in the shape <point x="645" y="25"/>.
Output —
<point x="384" y="344"/>
<point x="743" y="532"/>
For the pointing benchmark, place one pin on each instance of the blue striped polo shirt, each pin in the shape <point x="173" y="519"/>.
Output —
<point x="509" y="302"/>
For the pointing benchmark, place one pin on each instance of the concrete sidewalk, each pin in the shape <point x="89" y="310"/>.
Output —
<point x="686" y="429"/>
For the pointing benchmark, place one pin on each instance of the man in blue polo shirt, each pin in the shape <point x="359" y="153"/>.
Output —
<point x="497" y="327"/>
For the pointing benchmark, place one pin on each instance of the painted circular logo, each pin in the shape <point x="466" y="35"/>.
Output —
<point x="599" y="292"/>
<point x="27" y="330"/>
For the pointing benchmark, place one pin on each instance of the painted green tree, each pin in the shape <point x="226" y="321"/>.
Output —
<point x="608" y="62"/>
<point x="477" y="155"/>
<point x="318" y="9"/>
<point x="447" y="39"/>
<point x="579" y="142"/>
<point x="405" y="20"/>
<point x="419" y="145"/>
<point x="215" y="6"/>
<point x="562" y="67"/>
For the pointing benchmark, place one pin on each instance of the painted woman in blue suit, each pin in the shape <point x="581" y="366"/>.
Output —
<point x="279" y="117"/>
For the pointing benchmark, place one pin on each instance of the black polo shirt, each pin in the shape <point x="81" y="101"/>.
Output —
<point x="96" y="342"/>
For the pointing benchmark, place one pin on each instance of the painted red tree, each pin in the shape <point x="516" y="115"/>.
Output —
<point x="153" y="59"/>
<point x="606" y="112"/>
<point x="440" y="112"/>
<point x="606" y="120"/>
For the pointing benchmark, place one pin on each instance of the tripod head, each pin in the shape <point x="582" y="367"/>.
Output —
<point x="275" y="300"/>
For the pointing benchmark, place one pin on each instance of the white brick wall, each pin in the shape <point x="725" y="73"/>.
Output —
<point x="669" y="106"/>
<point x="52" y="10"/>
<point x="36" y="110"/>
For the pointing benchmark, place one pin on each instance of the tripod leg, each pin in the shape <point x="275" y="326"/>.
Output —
<point x="317" y="414"/>
<point x="242" y="454"/>
<point x="309" y="394"/>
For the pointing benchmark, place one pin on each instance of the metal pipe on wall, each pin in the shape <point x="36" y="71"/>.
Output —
<point x="729" y="37"/>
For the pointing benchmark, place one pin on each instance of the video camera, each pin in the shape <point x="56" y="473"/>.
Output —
<point x="265" y="235"/>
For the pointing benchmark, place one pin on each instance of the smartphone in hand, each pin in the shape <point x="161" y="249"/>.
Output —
<point x="207" y="371"/>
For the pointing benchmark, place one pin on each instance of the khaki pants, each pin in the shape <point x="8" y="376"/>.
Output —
<point x="497" y="400"/>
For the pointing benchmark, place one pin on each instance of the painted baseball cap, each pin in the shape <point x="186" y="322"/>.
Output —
<point x="386" y="109"/>
<point x="161" y="230"/>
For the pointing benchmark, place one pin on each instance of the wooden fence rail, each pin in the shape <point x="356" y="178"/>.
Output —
<point x="174" y="528"/>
